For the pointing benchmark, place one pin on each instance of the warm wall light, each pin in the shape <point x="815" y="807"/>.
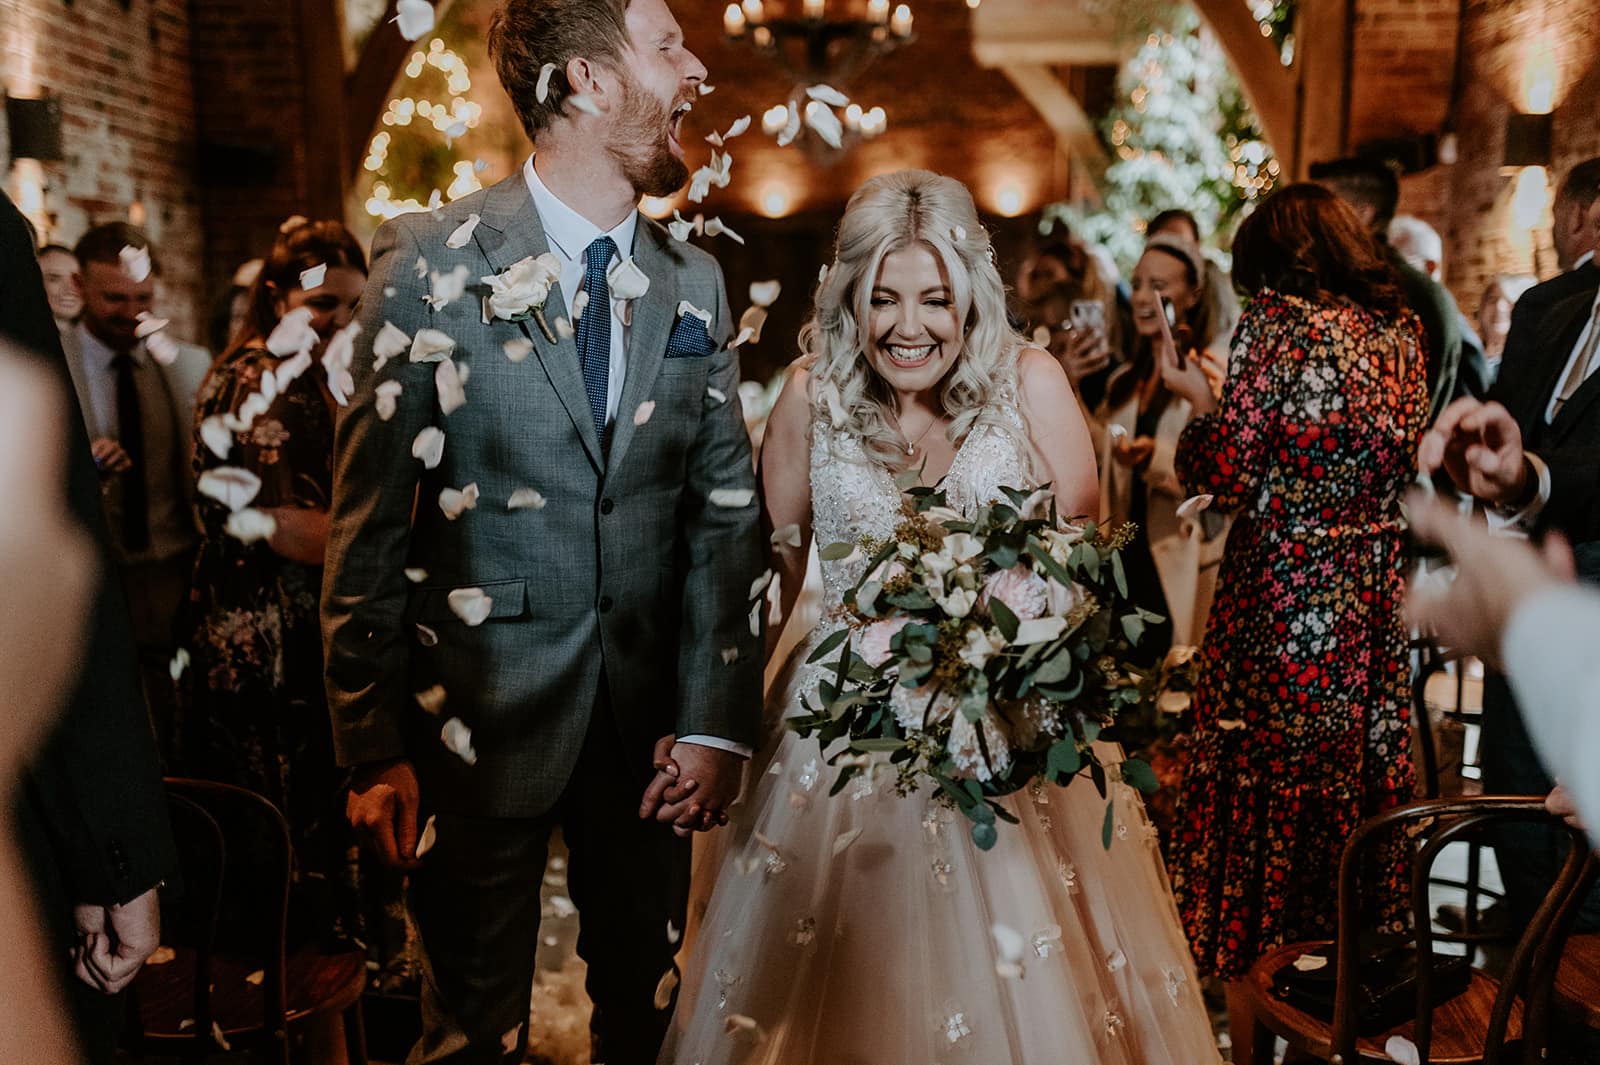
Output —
<point x="1531" y="198"/>
<point x="775" y="201"/>
<point x="1008" y="200"/>
<point x="1539" y="78"/>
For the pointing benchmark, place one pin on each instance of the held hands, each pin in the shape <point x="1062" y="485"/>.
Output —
<point x="693" y="786"/>
<point x="114" y="942"/>
<point x="1133" y="452"/>
<point x="1480" y="446"/>
<point x="382" y="807"/>
<point x="1494" y="575"/>
<point x="109" y="458"/>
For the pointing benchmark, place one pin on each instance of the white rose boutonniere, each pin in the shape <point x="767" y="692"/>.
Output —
<point x="519" y="291"/>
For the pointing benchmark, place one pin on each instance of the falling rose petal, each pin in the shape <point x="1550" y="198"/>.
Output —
<point x="231" y="486"/>
<point x="1310" y="963"/>
<point x="455" y="502"/>
<point x="775" y="598"/>
<point x="216" y="435"/>
<point x="625" y="280"/>
<point x="390" y="342"/>
<point x="429" y="836"/>
<point x="541" y="91"/>
<point x="149" y="325"/>
<point x="1194" y="505"/>
<point x="421" y="268"/>
<point x="447" y="380"/>
<point x="508" y="1040"/>
<point x="1402" y="1051"/>
<point x="765" y="293"/>
<point x="753" y="319"/>
<point x="826" y="125"/>
<point x="755" y="617"/>
<point x="564" y="329"/>
<point x="585" y="103"/>
<point x="289" y="369"/>
<point x="642" y="413"/>
<point x="385" y="399"/>
<point x="457" y="739"/>
<point x="789" y="534"/>
<point x="700" y="183"/>
<point x="431" y="345"/>
<point x="737" y="128"/>
<point x="219" y="1038"/>
<point x="717" y="394"/>
<point x="462" y="233"/>
<point x="827" y="94"/>
<point x="337" y="358"/>
<point x="416" y="575"/>
<point x="162" y="956"/>
<point x="759" y="585"/>
<point x="313" y="277"/>
<point x="471" y="605"/>
<point x="432" y="699"/>
<point x="179" y="663"/>
<point x="389" y="291"/>
<point x="842" y="841"/>
<point x="292" y="223"/>
<point x="673" y="934"/>
<point x="257" y="978"/>
<point x="681" y="227"/>
<point x="791" y="128"/>
<point x="665" y="987"/>
<point x="293" y="333"/>
<point x="738" y="1024"/>
<point x="447" y="288"/>
<point x="732" y="498"/>
<point x="135" y="262"/>
<point x="429" y="447"/>
<point x="163" y="349"/>
<point x="249" y="525"/>
<point x="730" y="655"/>
<point x="525" y="498"/>
<point x="517" y="348"/>
<point x="426" y="636"/>
<point x="706" y="90"/>
<point x="715" y="228"/>
<point x="958" y="234"/>
<point x="415" y="18"/>
<point x="1229" y="726"/>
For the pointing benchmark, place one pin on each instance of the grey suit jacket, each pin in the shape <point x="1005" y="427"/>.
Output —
<point x="628" y="570"/>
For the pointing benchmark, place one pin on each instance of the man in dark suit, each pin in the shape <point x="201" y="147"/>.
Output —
<point x="1371" y="188"/>
<point x="92" y="816"/>
<point x="1576" y="236"/>
<point x="1532" y="452"/>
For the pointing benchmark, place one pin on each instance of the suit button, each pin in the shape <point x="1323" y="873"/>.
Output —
<point x="605" y="604"/>
<point x="607" y="506"/>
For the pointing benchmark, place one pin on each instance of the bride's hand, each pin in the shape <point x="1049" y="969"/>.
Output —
<point x="667" y="773"/>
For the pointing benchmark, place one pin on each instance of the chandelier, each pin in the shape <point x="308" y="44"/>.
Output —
<point x="818" y="53"/>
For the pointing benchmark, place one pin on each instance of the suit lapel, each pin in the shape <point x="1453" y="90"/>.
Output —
<point x="509" y="231"/>
<point x="1568" y="319"/>
<point x="653" y="314"/>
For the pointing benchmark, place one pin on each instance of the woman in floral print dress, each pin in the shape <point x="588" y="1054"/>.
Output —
<point x="1301" y="715"/>
<point x="251" y="707"/>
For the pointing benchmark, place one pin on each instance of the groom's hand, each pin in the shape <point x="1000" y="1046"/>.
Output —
<point x="708" y="782"/>
<point x="382" y="807"/>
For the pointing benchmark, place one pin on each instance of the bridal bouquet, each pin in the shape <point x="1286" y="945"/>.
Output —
<point x="983" y="654"/>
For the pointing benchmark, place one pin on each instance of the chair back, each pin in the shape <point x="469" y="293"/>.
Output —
<point x="252" y="906"/>
<point x="1547" y="960"/>
<point x="1437" y="823"/>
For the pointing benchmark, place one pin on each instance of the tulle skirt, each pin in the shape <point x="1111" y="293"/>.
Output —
<point x="866" y="927"/>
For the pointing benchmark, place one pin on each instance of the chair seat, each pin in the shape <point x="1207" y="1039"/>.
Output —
<point x="1458" y="1025"/>
<point x="1578" y="979"/>
<point x="314" y="982"/>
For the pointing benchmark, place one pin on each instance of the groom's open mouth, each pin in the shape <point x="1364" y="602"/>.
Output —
<point x="909" y="357"/>
<point x="675" y="127"/>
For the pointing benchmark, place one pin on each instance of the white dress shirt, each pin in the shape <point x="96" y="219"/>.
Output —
<point x="1548" y="650"/>
<point x="569" y="235"/>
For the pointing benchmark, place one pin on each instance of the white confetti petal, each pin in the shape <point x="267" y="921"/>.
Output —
<point x="292" y="223"/>
<point x="958" y="234"/>
<point x="313" y="277"/>
<point x="162" y="956"/>
<point x="421" y="268"/>
<point x="432" y="700"/>
<point x="665" y="987"/>
<point x="528" y="498"/>
<point x="214" y="431"/>
<point x="625" y="280"/>
<point x="416" y="575"/>
<point x="716" y="228"/>
<point x="732" y="498"/>
<point x="218" y="1038"/>
<point x="517" y="349"/>
<point x="385" y="399"/>
<point x="791" y="128"/>
<point x="447" y="380"/>
<point x="1310" y="963"/>
<point x="739" y="1024"/>
<point x="288" y="370"/>
<point x="789" y="534"/>
<point x="1229" y="726"/>
<point x="585" y="103"/>
<point x="541" y="91"/>
<point x="826" y="125"/>
<point x="471" y="605"/>
<point x="457" y="739"/>
<point x="643" y="412"/>
<point x="162" y="348"/>
<point x="827" y="94"/>
<point x="508" y="1040"/>
<point x="231" y="486"/>
<point x="462" y="233"/>
<point x="700" y="183"/>
<point x="337" y="358"/>
<point x="257" y="978"/>
<point x="249" y="525"/>
<point x="293" y="334"/>
<point x="135" y="262"/>
<point x="179" y="663"/>
<point x="426" y="636"/>
<point x="415" y="18"/>
<point x="752" y="321"/>
<point x="1194" y="505"/>
<point x="755" y="618"/>
<point x="765" y="293"/>
<point x="429" y="447"/>
<point x="737" y="128"/>
<point x="149" y="325"/>
<point x="429" y="835"/>
<point x="447" y="288"/>
<point x="456" y="502"/>
<point x="681" y="227"/>
<point x="717" y="394"/>
<point x="706" y="90"/>
<point x="390" y="342"/>
<point x="730" y="655"/>
<point x="673" y="933"/>
<point x="564" y="328"/>
<point x="759" y="585"/>
<point x="431" y="345"/>
<point x="842" y="841"/>
<point x="1402" y="1051"/>
<point x="389" y="291"/>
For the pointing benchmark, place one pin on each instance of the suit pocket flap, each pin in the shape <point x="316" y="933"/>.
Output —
<point x="507" y="599"/>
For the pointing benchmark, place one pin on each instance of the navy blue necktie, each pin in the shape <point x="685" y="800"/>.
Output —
<point x="594" y="330"/>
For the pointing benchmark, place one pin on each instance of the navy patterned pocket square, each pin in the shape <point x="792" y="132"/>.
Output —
<point x="689" y="338"/>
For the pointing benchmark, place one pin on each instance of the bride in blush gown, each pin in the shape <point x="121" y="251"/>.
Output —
<point x="859" y="929"/>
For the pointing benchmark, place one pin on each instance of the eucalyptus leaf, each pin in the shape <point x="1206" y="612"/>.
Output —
<point x="844" y="778"/>
<point x="877" y="744"/>
<point x="1097" y="774"/>
<point x="1054" y="670"/>
<point x="1004" y="619"/>
<point x="1105" y="829"/>
<point x="1064" y="758"/>
<point x="1137" y="773"/>
<point x="1118" y="575"/>
<point x="836" y="552"/>
<point x="985" y="836"/>
<point x="1133" y="627"/>
<point x="828" y="645"/>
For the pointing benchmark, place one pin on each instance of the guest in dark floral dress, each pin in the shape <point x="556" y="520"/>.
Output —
<point x="252" y="708"/>
<point x="1301" y="713"/>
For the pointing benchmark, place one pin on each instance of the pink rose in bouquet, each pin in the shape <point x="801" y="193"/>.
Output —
<point x="1020" y="589"/>
<point x="875" y="640"/>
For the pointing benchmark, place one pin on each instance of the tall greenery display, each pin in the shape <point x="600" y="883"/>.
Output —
<point x="1181" y="135"/>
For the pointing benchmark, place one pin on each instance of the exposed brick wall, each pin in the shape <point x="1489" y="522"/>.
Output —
<point x="127" y="126"/>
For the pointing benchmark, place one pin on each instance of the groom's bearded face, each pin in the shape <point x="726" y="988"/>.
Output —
<point x="644" y="138"/>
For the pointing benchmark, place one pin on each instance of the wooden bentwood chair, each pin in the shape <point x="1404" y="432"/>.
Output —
<point x="1480" y="1026"/>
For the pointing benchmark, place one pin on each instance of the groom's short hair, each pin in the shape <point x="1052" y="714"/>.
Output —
<point x="527" y="34"/>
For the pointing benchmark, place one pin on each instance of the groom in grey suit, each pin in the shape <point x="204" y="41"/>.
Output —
<point x="535" y="595"/>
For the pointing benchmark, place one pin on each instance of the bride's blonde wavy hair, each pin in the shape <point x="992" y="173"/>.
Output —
<point x="891" y="212"/>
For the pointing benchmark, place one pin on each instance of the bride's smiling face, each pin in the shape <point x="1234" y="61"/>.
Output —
<point x="913" y="324"/>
